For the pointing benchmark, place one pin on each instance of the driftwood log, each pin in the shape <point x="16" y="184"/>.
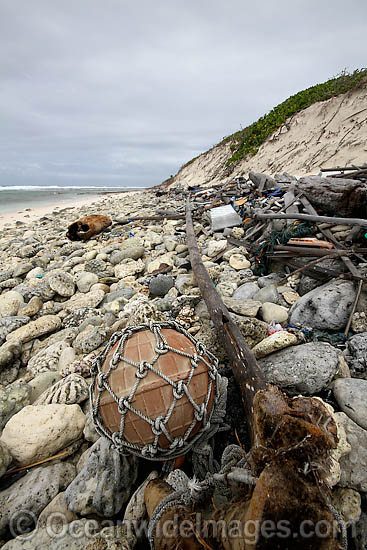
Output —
<point x="291" y="440"/>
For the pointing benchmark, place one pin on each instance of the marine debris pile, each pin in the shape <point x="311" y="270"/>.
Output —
<point x="264" y="278"/>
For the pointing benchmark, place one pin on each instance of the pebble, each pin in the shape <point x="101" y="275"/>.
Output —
<point x="216" y="247"/>
<point x="272" y="312"/>
<point x="32" y="308"/>
<point x="10" y="303"/>
<point x="85" y="280"/>
<point x="248" y="308"/>
<point x="359" y="322"/>
<point x="252" y="329"/>
<point x="160" y="285"/>
<point x="9" y="352"/>
<point x="47" y="359"/>
<point x="131" y="267"/>
<point x="41" y="383"/>
<point x="274" y="342"/>
<point x="38" y="432"/>
<point x="132" y="253"/>
<point x="62" y="283"/>
<point x="90" y="339"/>
<point x="238" y="261"/>
<point x="34" y="329"/>
<point x="353" y="465"/>
<point x="69" y="391"/>
<point x="267" y="280"/>
<point x="356" y="355"/>
<point x="268" y="293"/>
<point x="226" y="288"/>
<point x="291" y="297"/>
<point x="12" y="399"/>
<point x="165" y="259"/>
<point x="22" y="269"/>
<point x="9" y="324"/>
<point x="246" y="291"/>
<point x="350" y="393"/>
<point x="89" y="299"/>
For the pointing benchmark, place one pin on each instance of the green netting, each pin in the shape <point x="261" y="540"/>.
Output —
<point x="298" y="229"/>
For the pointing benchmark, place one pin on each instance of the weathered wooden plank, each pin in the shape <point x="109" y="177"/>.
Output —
<point x="248" y="374"/>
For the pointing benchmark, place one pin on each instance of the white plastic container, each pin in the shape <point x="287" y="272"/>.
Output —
<point x="224" y="216"/>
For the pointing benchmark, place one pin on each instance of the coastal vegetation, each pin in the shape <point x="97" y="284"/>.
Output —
<point x="248" y="140"/>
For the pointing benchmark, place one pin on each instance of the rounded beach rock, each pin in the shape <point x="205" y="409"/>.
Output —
<point x="10" y="302"/>
<point x="238" y="261"/>
<point x="38" y="432"/>
<point x="273" y="312"/>
<point x="34" y="329"/>
<point x="305" y="369"/>
<point x="62" y="283"/>
<point x="326" y="307"/>
<point x="350" y="394"/>
<point x="274" y="342"/>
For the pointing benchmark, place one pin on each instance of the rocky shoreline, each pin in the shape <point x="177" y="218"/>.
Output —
<point x="61" y="301"/>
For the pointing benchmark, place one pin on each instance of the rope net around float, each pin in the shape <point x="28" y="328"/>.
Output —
<point x="210" y="421"/>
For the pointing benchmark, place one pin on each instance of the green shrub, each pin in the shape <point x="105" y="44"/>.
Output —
<point x="248" y="140"/>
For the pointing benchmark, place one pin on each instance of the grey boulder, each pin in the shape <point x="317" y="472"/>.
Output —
<point x="30" y="495"/>
<point x="305" y="369"/>
<point x="325" y="307"/>
<point x="160" y="285"/>
<point x="104" y="483"/>
<point x="350" y="394"/>
<point x="354" y="464"/>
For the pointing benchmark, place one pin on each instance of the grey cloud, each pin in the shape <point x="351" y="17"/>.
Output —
<point x="128" y="91"/>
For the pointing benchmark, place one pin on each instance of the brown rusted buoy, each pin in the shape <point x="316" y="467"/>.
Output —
<point x="87" y="227"/>
<point x="154" y="391"/>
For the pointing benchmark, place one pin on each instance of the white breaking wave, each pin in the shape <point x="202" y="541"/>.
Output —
<point x="61" y="187"/>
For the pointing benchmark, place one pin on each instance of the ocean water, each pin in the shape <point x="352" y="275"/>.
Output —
<point x="15" y="198"/>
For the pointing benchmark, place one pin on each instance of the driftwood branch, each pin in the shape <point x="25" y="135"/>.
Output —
<point x="310" y="218"/>
<point x="328" y="234"/>
<point x="150" y="218"/>
<point x="248" y="375"/>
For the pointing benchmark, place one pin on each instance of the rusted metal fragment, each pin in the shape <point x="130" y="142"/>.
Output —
<point x="85" y="228"/>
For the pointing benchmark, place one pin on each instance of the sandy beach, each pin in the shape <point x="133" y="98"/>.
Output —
<point x="29" y="215"/>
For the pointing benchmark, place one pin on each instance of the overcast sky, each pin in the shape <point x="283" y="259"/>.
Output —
<point x="119" y="92"/>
